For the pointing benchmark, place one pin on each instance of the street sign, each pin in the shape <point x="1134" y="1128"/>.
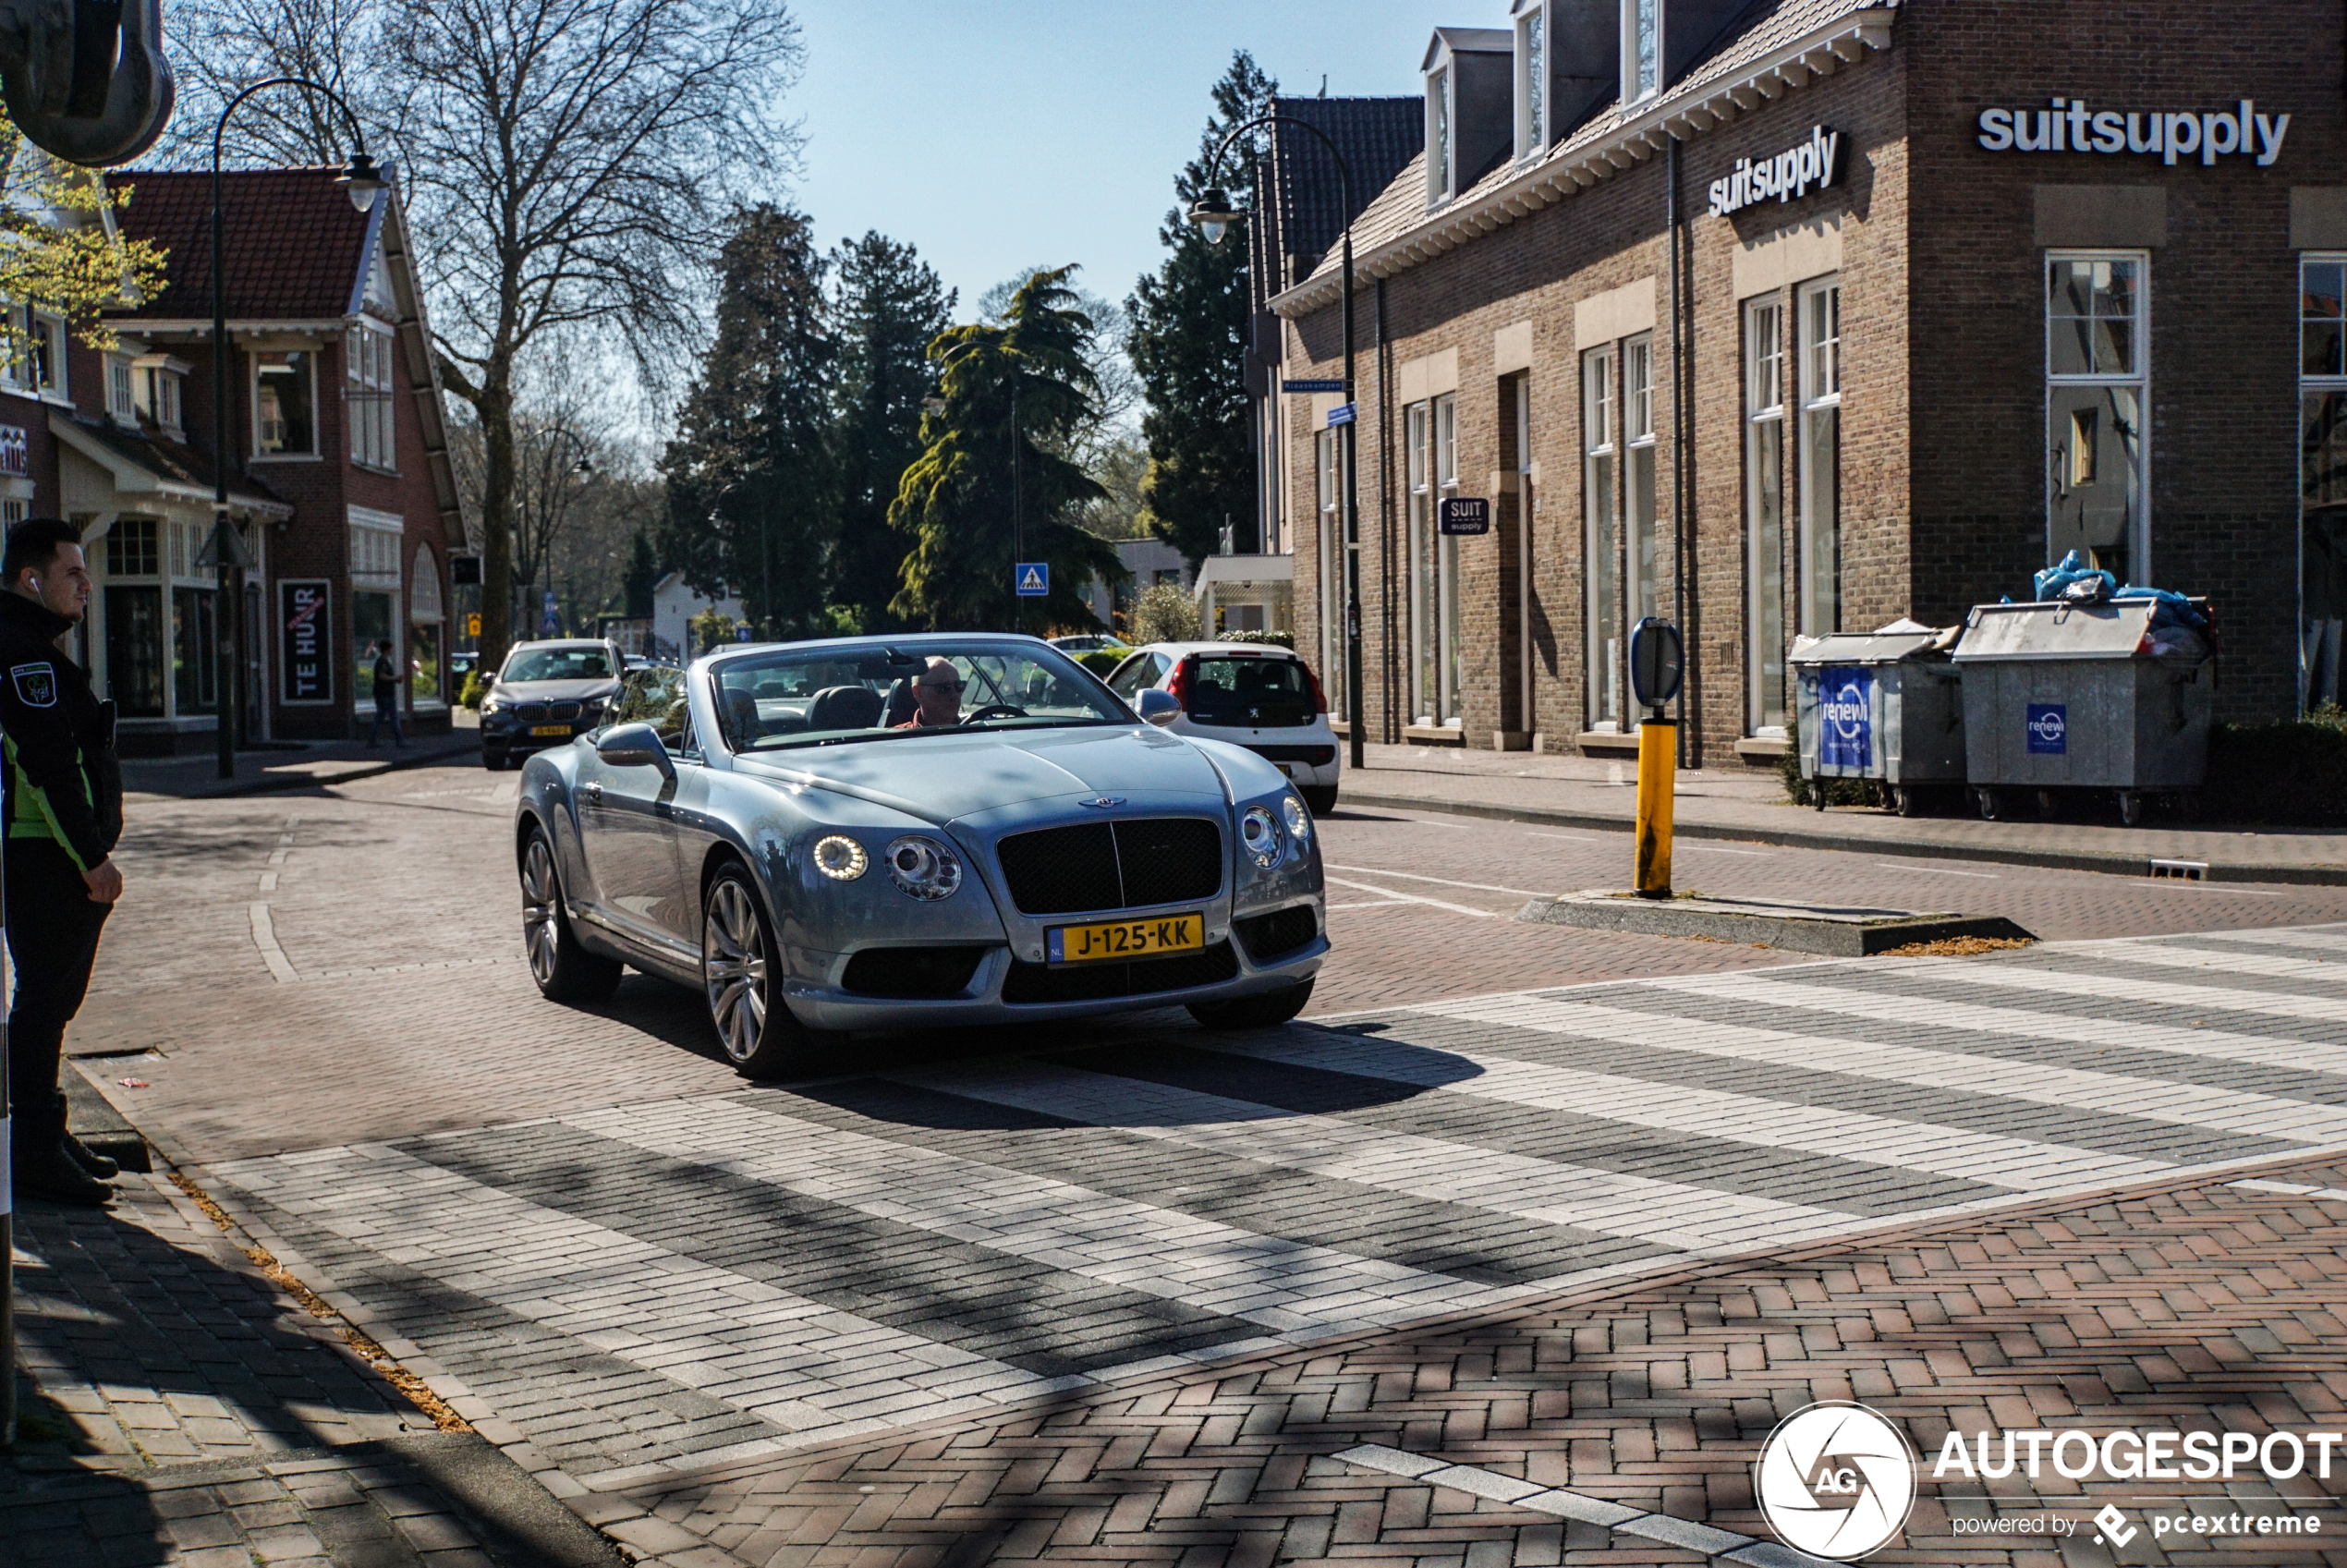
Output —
<point x="472" y="624"/>
<point x="464" y="571"/>
<point x="1466" y="515"/>
<point x="1658" y="660"/>
<point x="1311" y="386"/>
<point x="1033" y="579"/>
<point x="1341" y="414"/>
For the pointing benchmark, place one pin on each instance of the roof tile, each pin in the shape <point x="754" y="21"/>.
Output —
<point x="291" y="240"/>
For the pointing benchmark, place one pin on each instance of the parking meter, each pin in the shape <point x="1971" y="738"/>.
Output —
<point x="1657" y="662"/>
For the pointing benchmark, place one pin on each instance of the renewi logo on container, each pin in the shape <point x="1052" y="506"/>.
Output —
<point x="2049" y="726"/>
<point x="1845" y="719"/>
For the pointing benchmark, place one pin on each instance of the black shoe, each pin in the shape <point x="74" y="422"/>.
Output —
<point x="55" y="1176"/>
<point x="93" y="1164"/>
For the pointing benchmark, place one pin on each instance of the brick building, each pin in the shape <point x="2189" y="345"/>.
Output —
<point x="340" y="484"/>
<point x="1783" y="317"/>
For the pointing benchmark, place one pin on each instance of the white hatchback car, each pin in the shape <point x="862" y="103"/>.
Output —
<point x="1258" y="696"/>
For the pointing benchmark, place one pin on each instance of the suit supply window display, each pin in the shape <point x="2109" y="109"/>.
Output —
<point x="1819" y="308"/>
<point x="1432" y="430"/>
<point x="1764" y="411"/>
<point x="2322" y="471"/>
<point x="1329" y="502"/>
<point x="1519" y="416"/>
<point x="2097" y="386"/>
<point x="1604" y="521"/>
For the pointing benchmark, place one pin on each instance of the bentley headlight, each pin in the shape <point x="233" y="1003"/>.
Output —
<point x="923" y="868"/>
<point x="1299" y="820"/>
<point x="841" y="859"/>
<point x="494" y="705"/>
<point x="1259" y="831"/>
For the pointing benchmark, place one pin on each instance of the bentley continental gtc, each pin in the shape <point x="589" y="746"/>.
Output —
<point x="890" y="834"/>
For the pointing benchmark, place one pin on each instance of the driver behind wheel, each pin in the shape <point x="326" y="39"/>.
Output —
<point x="937" y="697"/>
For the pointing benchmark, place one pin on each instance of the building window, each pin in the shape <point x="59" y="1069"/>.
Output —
<point x="1446" y="552"/>
<point x="1330" y="496"/>
<point x="131" y="548"/>
<point x="1600" y="451"/>
<point x="1641" y="48"/>
<point x="1532" y="79"/>
<point x="36" y="359"/>
<point x="1764" y="514"/>
<point x="2322" y="475"/>
<point x="14" y="512"/>
<point x="195" y="643"/>
<point x="2096" y="387"/>
<point x="1418" y="462"/>
<point x="118" y="399"/>
<point x="374" y="553"/>
<point x="426" y="676"/>
<point x="158" y="394"/>
<point x="1437" y="138"/>
<point x="284" y="404"/>
<point x="1432" y="438"/>
<point x="367" y="357"/>
<point x="1642" y="567"/>
<point x="1820" y="316"/>
<point x="1527" y="509"/>
<point x="134" y="648"/>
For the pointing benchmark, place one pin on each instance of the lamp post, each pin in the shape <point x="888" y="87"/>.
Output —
<point x="1215" y="215"/>
<point x="362" y="180"/>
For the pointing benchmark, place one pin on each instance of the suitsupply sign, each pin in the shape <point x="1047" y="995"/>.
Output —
<point x="2070" y="126"/>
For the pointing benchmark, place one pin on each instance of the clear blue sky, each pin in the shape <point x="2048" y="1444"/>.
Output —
<point x="999" y="134"/>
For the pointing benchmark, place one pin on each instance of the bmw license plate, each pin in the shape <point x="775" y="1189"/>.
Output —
<point x="1124" y="938"/>
<point x="549" y="729"/>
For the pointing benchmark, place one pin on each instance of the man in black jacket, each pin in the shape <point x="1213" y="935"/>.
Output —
<point x="63" y="814"/>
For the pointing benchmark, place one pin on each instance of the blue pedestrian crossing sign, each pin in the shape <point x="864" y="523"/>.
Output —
<point x="1034" y="578"/>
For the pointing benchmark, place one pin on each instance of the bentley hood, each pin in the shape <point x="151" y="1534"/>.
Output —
<point x="948" y="776"/>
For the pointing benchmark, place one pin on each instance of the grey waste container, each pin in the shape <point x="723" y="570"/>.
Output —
<point x="1881" y="705"/>
<point x="2072" y="697"/>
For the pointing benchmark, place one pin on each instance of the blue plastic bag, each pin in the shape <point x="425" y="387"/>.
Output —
<point x="2169" y="609"/>
<point x="2053" y="579"/>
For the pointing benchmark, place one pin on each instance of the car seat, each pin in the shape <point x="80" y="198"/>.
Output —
<point x="902" y="705"/>
<point x="843" y="708"/>
<point x="741" y="717"/>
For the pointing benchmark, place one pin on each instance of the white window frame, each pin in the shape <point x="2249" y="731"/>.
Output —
<point x="1533" y="69"/>
<point x="1820" y="547"/>
<point x="252" y="402"/>
<point x="370" y="404"/>
<point x="1640" y="18"/>
<point x="17" y="371"/>
<point x="1418" y="459"/>
<point x="1527" y="509"/>
<point x="121" y="400"/>
<point x="1607" y="707"/>
<point x="1450" y="672"/>
<point x="1441" y="134"/>
<point x="1328" y="509"/>
<point x="1641" y="540"/>
<point x="1764" y="404"/>
<point x="2322" y="661"/>
<point x="2138" y="380"/>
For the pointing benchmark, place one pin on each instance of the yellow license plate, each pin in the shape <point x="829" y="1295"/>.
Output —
<point x="549" y="729"/>
<point x="1125" y="938"/>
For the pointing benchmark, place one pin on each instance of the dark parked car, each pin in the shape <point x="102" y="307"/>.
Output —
<point x="547" y="693"/>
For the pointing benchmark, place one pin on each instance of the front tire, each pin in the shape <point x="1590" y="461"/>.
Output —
<point x="1267" y="1010"/>
<point x="563" y="969"/>
<point x="1320" y="798"/>
<point x="741" y="978"/>
<point x="492" y="761"/>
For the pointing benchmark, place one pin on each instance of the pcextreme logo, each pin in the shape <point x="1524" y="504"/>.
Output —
<point x="1836" y="1481"/>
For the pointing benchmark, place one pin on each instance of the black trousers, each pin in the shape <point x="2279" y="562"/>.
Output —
<point x="52" y="941"/>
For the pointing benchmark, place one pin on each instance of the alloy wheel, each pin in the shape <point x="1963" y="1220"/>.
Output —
<point x="539" y="894"/>
<point x="734" y="968"/>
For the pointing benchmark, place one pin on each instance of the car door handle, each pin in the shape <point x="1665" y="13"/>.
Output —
<point x="591" y="791"/>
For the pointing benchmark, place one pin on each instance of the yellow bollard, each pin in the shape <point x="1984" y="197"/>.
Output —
<point x="1658" y="763"/>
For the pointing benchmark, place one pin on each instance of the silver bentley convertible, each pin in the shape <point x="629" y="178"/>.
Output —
<point x="898" y="833"/>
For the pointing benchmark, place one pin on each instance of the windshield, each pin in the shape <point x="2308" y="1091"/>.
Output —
<point x="828" y="695"/>
<point x="558" y="665"/>
<point x="1248" y="689"/>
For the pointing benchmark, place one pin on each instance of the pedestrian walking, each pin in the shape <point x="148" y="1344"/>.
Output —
<point x="386" y="670"/>
<point x="63" y="812"/>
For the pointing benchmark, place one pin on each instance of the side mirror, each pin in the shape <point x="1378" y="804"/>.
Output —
<point x="635" y="745"/>
<point x="1157" y="706"/>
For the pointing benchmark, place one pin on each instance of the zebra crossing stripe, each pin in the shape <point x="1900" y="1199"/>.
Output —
<point x="1964" y="1155"/>
<point x="2113" y="1094"/>
<point x="2319" y="971"/>
<point x="1982" y="1017"/>
<point x="2315" y="938"/>
<point x="1288" y="1286"/>
<point x="1682" y="1218"/>
<point x="2170" y="993"/>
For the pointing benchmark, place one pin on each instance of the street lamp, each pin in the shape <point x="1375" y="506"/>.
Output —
<point x="362" y="182"/>
<point x="1215" y="217"/>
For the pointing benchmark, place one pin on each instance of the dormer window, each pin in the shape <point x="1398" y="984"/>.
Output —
<point x="156" y="379"/>
<point x="1641" y="49"/>
<point x="1438" y="136"/>
<point x="1532" y="79"/>
<point x="118" y="396"/>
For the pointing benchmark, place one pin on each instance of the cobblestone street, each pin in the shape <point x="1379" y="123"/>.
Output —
<point x="1581" y="1214"/>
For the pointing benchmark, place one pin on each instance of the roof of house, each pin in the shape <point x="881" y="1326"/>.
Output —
<point x="174" y="465"/>
<point x="1468" y="40"/>
<point x="1781" y="44"/>
<point x="1378" y="137"/>
<point x="293" y="244"/>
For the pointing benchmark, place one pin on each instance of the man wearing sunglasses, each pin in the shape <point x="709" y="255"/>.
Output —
<point x="937" y="697"/>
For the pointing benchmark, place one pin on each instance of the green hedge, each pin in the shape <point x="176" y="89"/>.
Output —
<point x="1839" y="792"/>
<point x="1274" y="639"/>
<point x="1101" y="661"/>
<point x="2292" y="772"/>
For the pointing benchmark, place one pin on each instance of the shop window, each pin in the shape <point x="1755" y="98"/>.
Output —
<point x="1418" y="440"/>
<point x="284" y="404"/>
<point x="1600" y="505"/>
<point x="195" y="643"/>
<point x="1641" y="49"/>
<point x="1531" y="79"/>
<point x="1526" y="509"/>
<point x="1764" y="348"/>
<point x="1821" y="317"/>
<point x="426" y="675"/>
<point x="1450" y="671"/>
<point x="1642" y="567"/>
<point x="2322" y="472"/>
<point x="134" y="648"/>
<point x="2097" y="390"/>
<point x="370" y="628"/>
<point x="367" y="357"/>
<point x="1432" y="440"/>
<point x="1329" y="495"/>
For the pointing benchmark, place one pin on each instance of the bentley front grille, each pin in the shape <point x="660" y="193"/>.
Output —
<point x="1138" y="864"/>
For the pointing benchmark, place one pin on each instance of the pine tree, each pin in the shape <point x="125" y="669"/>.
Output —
<point x="888" y="305"/>
<point x="752" y="474"/>
<point x="1189" y="341"/>
<point x="1017" y="386"/>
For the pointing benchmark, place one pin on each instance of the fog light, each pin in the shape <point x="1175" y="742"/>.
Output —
<point x="842" y="859"/>
<point x="923" y="868"/>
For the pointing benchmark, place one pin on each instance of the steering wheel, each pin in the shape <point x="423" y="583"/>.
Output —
<point x="994" y="711"/>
